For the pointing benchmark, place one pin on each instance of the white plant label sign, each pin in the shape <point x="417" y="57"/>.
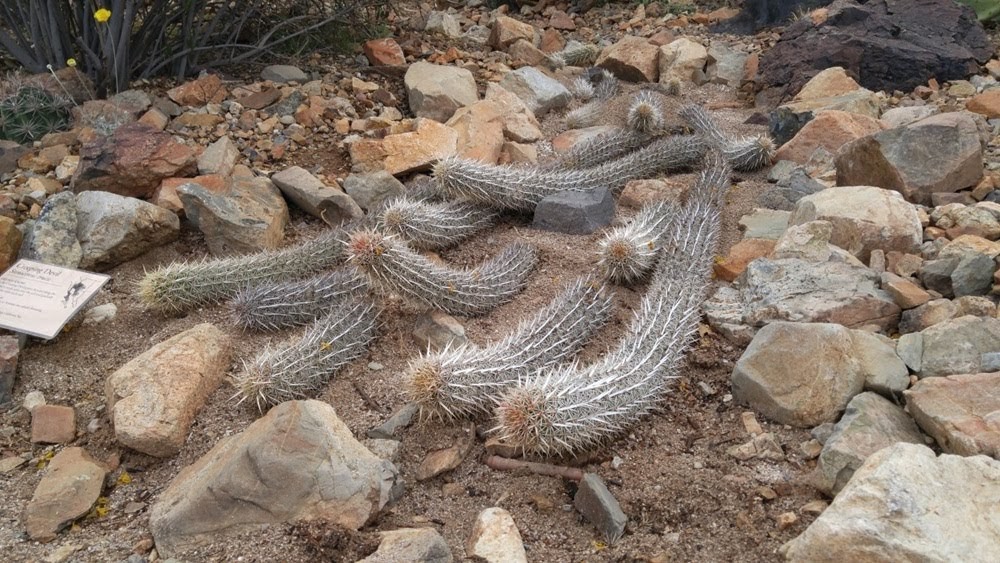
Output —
<point x="38" y="299"/>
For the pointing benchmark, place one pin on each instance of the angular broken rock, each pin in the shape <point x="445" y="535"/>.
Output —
<point x="249" y="216"/>
<point x="869" y="424"/>
<point x="153" y="399"/>
<point x="435" y="330"/>
<point x="631" y="58"/>
<point x="536" y="89"/>
<point x="53" y="424"/>
<point x="316" y="198"/>
<point x="113" y="229"/>
<point x="219" y="157"/>
<point x="447" y="459"/>
<point x="417" y="150"/>
<point x="495" y="538"/>
<point x="436" y="91"/>
<point x="412" y="545"/>
<point x="961" y="412"/>
<point x="370" y="190"/>
<point x="298" y="462"/>
<point x="600" y="507"/>
<point x="70" y="487"/>
<point x="762" y="446"/>
<point x="956" y="346"/>
<point x="905" y="504"/>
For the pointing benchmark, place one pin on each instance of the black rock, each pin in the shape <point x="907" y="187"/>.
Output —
<point x="575" y="213"/>
<point x="758" y="14"/>
<point x="784" y="197"/>
<point x="888" y="44"/>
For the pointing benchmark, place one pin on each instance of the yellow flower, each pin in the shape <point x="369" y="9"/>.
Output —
<point x="70" y="62"/>
<point x="102" y="15"/>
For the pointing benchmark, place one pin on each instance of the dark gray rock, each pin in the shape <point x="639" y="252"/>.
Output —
<point x="288" y="105"/>
<point x="789" y="191"/>
<point x="250" y="216"/>
<point x="600" y="507"/>
<point x="283" y="73"/>
<point x="936" y="274"/>
<point x="399" y="419"/>
<point x="9" y="153"/>
<point x="52" y="239"/>
<point x="370" y="190"/>
<point x="9" y="351"/>
<point x="973" y="275"/>
<point x="575" y="213"/>
<point x="888" y="44"/>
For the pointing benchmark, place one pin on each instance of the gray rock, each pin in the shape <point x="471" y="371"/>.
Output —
<point x="248" y="217"/>
<point x="384" y="448"/>
<point x="436" y="329"/>
<point x="927" y="315"/>
<point x="436" y="91"/>
<point x="781" y="170"/>
<point x="370" y="190"/>
<point x="219" y="157"/>
<point x="443" y="23"/>
<point x="957" y="346"/>
<point x="417" y="545"/>
<point x="790" y="190"/>
<point x="287" y="106"/>
<point x="10" y="152"/>
<point x="796" y="290"/>
<point x="52" y="238"/>
<point x="495" y="538"/>
<point x="113" y="229"/>
<point x="989" y="361"/>
<point x="600" y="508"/>
<point x="399" y="419"/>
<point x="959" y="411"/>
<point x="575" y="213"/>
<point x="885" y="372"/>
<point x="9" y="351"/>
<point x="316" y="198"/>
<point x="539" y="92"/>
<point x="283" y="73"/>
<point x="298" y="462"/>
<point x="725" y="65"/>
<point x="973" y="275"/>
<point x="869" y="424"/>
<point x="802" y="374"/>
<point x="864" y="218"/>
<point x="100" y="314"/>
<point x="940" y="153"/>
<point x="910" y="349"/>
<point x="764" y="223"/>
<point x="926" y="520"/>
<point x="898" y="117"/>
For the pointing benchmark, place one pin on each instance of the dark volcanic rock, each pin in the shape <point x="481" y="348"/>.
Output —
<point x="757" y="14"/>
<point x="889" y="44"/>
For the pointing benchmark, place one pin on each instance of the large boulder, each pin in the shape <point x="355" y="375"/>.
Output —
<point x="940" y="153"/>
<point x="132" y="162"/>
<point x="436" y="91"/>
<point x="905" y="504"/>
<point x="888" y="44"/>
<point x="537" y="90"/>
<point x="632" y="58"/>
<point x="298" y="462"/>
<point x="864" y="219"/>
<point x="959" y="411"/>
<point x="957" y="346"/>
<point x="830" y="130"/>
<point x="113" y="229"/>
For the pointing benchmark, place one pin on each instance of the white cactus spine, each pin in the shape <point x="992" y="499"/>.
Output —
<point x="435" y="225"/>
<point x="276" y="306"/>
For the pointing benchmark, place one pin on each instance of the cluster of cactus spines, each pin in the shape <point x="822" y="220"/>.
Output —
<point x="30" y="113"/>
<point x="567" y="410"/>
<point x="277" y="306"/>
<point x="466" y="382"/>
<point x="300" y="368"/>
<point x="574" y="55"/>
<point x="392" y="267"/>
<point x="521" y="188"/>
<point x="645" y="114"/>
<point x="606" y="86"/>
<point x="435" y="225"/>
<point x="628" y="253"/>
<point x="583" y="89"/>
<point x="183" y="286"/>
<point x="744" y="154"/>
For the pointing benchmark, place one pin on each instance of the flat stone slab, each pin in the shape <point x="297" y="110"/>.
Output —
<point x="961" y="412"/>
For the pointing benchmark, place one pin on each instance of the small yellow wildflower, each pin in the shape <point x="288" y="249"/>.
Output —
<point x="71" y="62"/>
<point x="102" y="15"/>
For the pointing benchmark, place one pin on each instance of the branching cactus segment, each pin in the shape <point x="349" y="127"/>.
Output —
<point x="392" y="267"/>
<point x="521" y="188"/>
<point x="299" y="369"/>
<point x="743" y="154"/>
<point x="567" y="410"/>
<point x="277" y="306"/>
<point x="629" y="252"/>
<point x="183" y="286"/>
<point x="466" y="382"/>
<point x="433" y="226"/>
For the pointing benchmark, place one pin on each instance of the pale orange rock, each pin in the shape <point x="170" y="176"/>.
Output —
<point x="828" y="130"/>
<point x="741" y="254"/>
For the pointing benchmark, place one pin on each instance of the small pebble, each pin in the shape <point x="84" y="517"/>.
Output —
<point x="786" y="520"/>
<point x="33" y="399"/>
<point x="616" y="462"/>
<point x="698" y="465"/>
<point x="375" y="366"/>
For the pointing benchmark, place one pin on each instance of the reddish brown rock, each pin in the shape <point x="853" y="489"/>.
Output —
<point x="959" y="412"/>
<point x="192" y="119"/>
<point x="633" y="59"/>
<point x="153" y="399"/>
<point x="155" y="118"/>
<point x="561" y="20"/>
<point x="199" y="92"/>
<point x="132" y="162"/>
<point x="987" y="103"/>
<point x="552" y="41"/>
<point x="905" y="293"/>
<point x="70" y="487"/>
<point x="53" y="424"/>
<point x="260" y="100"/>
<point x="524" y="53"/>
<point x="384" y="52"/>
<point x="506" y="31"/>
<point x="741" y="254"/>
<point x="10" y="242"/>
<point x="828" y="130"/>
